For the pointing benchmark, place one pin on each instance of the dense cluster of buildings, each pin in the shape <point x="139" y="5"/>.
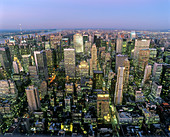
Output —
<point x="86" y="83"/>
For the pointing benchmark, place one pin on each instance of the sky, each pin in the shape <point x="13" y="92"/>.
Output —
<point x="56" y="14"/>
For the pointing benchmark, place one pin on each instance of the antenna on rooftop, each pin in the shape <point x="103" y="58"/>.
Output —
<point x="20" y="28"/>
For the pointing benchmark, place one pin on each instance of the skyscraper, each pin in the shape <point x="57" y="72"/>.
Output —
<point x="103" y="106"/>
<point x="165" y="79"/>
<point x="147" y="73"/>
<point x="93" y="60"/>
<point x="119" y="43"/>
<point x="33" y="98"/>
<point x="41" y="64"/>
<point x="33" y="74"/>
<point x="85" y="38"/>
<point x="5" y="59"/>
<point x="97" y="79"/>
<point x="26" y="61"/>
<point x="118" y="97"/>
<point x="83" y="69"/>
<point x="120" y="60"/>
<point x="126" y="64"/>
<point x="50" y="54"/>
<point x="78" y="43"/>
<point x="140" y="44"/>
<point x="157" y="70"/>
<point x="69" y="62"/>
<point x="143" y="58"/>
<point x="133" y="35"/>
<point x="156" y="89"/>
<point x="87" y="47"/>
<point x="15" y="67"/>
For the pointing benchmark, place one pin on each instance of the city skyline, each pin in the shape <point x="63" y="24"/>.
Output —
<point x="132" y="14"/>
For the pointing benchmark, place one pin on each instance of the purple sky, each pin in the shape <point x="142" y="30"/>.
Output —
<point x="47" y="14"/>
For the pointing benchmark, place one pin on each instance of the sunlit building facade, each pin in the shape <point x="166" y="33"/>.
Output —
<point x="69" y="62"/>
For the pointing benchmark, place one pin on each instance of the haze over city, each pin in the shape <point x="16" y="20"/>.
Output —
<point x="55" y="14"/>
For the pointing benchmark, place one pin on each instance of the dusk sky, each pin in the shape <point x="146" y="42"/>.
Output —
<point x="118" y="14"/>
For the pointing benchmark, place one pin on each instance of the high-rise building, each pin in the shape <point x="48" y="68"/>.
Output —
<point x="83" y="69"/>
<point x="7" y="87"/>
<point x="26" y="62"/>
<point x="5" y="59"/>
<point x="69" y="62"/>
<point x="157" y="70"/>
<point x="118" y="97"/>
<point x="41" y="64"/>
<point x="140" y="44"/>
<point x="33" y="74"/>
<point x="153" y="53"/>
<point x="133" y="35"/>
<point x="96" y="36"/>
<point x="165" y="80"/>
<point x="120" y="60"/>
<point x="33" y="98"/>
<point x="143" y="58"/>
<point x="50" y="54"/>
<point x="67" y="103"/>
<point x="139" y="97"/>
<point x="43" y="88"/>
<point x="156" y="90"/>
<point x="15" y="67"/>
<point x="78" y="43"/>
<point x="93" y="60"/>
<point x="85" y="38"/>
<point x="103" y="106"/>
<point x="87" y="47"/>
<point x="126" y="64"/>
<point x="97" y="79"/>
<point x="147" y="73"/>
<point x="124" y="47"/>
<point x="119" y="43"/>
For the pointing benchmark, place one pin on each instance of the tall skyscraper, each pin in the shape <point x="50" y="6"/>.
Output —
<point x="83" y="69"/>
<point x="26" y="62"/>
<point x="41" y="64"/>
<point x="87" y="47"/>
<point x="103" y="106"/>
<point x="157" y="70"/>
<point x="7" y="87"/>
<point x="85" y="38"/>
<point x="69" y="62"/>
<point x="50" y="54"/>
<point x="33" y="98"/>
<point x="93" y="60"/>
<point x="43" y="88"/>
<point x="126" y="64"/>
<point x="147" y="73"/>
<point x="165" y="79"/>
<point x="118" y="97"/>
<point x="120" y="60"/>
<point x="33" y="74"/>
<point x="97" y="79"/>
<point x="119" y="43"/>
<point x="143" y="58"/>
<point x="156" y="90"/>
<point x="140" y="44"/>
<point x="5" y="59"/>
<point x="133" y="35"/>
<point x="78" y="43"/>
<point x="15" y="67"/>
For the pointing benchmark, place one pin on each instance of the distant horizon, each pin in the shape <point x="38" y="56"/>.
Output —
<point x="119" y="14"/>
<point x="87" y="29"/>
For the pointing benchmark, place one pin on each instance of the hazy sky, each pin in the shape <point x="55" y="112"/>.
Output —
<point x="47" y="14"/>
